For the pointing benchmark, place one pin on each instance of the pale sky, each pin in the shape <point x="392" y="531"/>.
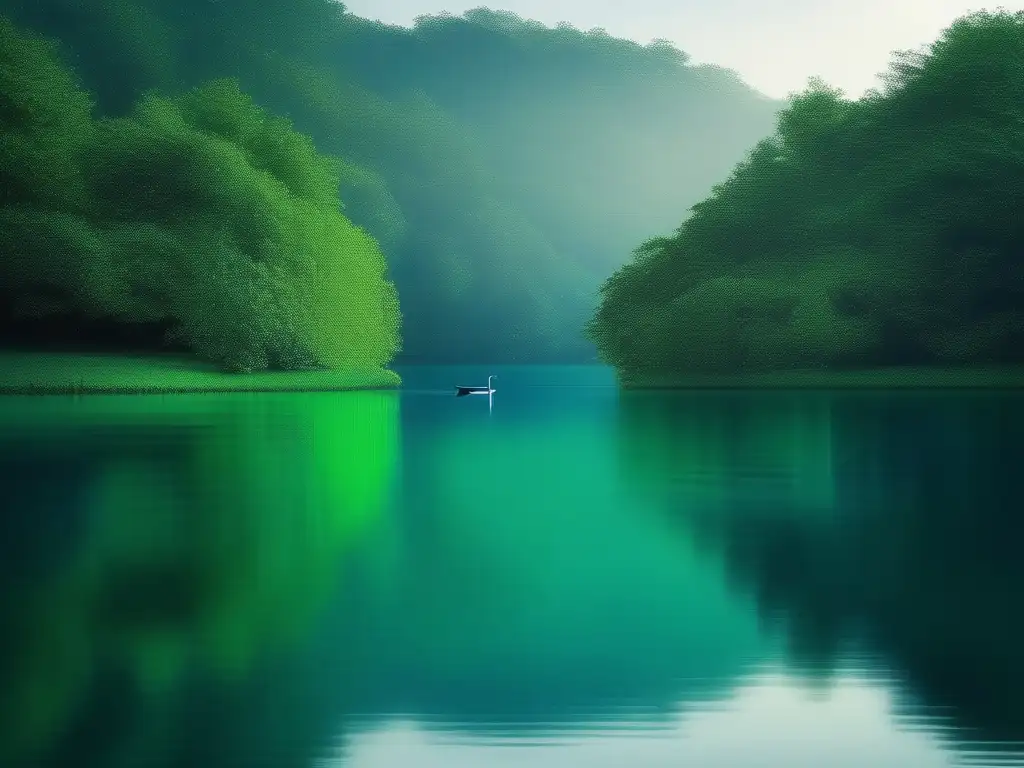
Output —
<point x="774" y="46"/>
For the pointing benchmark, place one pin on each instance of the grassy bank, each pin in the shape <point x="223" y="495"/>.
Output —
<point x="879" y="378"/>
<point x="28" y="373"/>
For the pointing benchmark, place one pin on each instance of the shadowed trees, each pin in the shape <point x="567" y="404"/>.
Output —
<point x="872" y="232"/>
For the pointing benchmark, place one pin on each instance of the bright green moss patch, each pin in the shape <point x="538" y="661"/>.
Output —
<point x="39" y="373"/>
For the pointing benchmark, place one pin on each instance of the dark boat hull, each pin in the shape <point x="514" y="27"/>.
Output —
<point x="463" y="391"/>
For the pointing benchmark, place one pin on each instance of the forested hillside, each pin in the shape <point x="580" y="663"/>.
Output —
<point x="198" y="215"/>
<point x="877" y="232"/>
<point x="503" y="168"/>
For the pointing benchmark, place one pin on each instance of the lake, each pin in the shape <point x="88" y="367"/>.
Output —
<point x="564" y="575"/>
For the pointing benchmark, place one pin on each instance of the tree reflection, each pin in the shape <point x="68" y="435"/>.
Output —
<point x="535" y="600"/>
<point x="205" y="536"/>
<point x="913" y="554"/>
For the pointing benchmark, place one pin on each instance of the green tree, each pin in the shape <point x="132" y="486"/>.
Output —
<point x="45" y="118"/>
<point x="201" y="211"/>
<point x="270" y="272"/>
<point x="872" y="232"/>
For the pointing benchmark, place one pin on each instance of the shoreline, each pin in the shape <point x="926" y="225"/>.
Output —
<point x="74" y="373"/>
<point x="903" y="378"/>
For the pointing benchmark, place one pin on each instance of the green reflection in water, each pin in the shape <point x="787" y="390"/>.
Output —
<point x="539" y="572"/>
<point x="917" y="561"/>
<point x="539" y="589"/>
<point x="711" y="450"/>
<point x="212" y="528"/>
<point x="726" y="461"/>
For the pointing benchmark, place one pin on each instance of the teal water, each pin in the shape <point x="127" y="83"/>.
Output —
<point x="565" y="575"/>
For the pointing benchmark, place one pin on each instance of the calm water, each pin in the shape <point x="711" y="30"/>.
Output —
<point x="568" y="577"/>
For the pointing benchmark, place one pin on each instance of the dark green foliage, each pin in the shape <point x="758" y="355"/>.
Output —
<point x="202" y="211"/>
<point x="44" y="119"/>
<point x="121" y="44"/>
<point x="873" y="232"/>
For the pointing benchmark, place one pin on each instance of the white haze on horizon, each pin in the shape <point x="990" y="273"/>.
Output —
<point x="774" y="47"/>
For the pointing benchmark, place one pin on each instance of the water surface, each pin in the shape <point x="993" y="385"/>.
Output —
<point x="563" y="575"/>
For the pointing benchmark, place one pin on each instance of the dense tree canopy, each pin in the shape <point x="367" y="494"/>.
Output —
<point x="504" y="167"/>
<point x="201" y="211"/>
<point x="870" y="232"/>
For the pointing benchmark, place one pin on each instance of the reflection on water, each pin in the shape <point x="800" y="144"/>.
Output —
<point x="194" y="535"/>
<point x="769" y="720"/>
<point x="572" y="577"/>
<point x="913" y="553"/>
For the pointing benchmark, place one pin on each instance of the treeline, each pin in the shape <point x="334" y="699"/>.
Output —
<point x="503" y="167"/>
<point x="882" y="231"/>
<point x="200" y="213"/>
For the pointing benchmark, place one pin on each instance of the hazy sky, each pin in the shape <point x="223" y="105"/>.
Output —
<point x="775" y="46"/>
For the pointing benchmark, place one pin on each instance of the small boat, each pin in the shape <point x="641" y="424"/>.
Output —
<point x="463" y="391"/>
